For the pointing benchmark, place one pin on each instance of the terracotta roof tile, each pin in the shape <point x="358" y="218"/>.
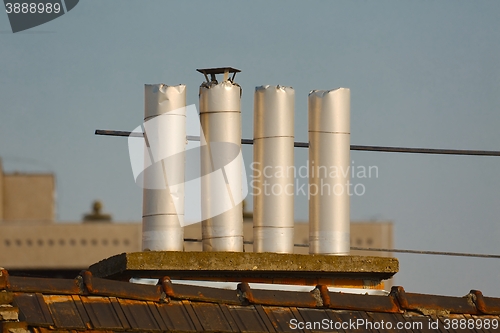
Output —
<point x="434" y="304"/>
<point x="487" y="305"/>
<point x="176" y="317"/>
<point x="33" y="309"/>
<point x="103" y="313"/>
<point x="64" y="312"/>
<point x="280" y="317"/>
<point x="43" y="285"/>
<point x="192" y="315"/>
<point x="139" y="315"/>
<point x="247" y="318"/>
<point x="199" y="293"/>
<point x="337" y="300"/>
<point x="211" y="317"/>
<point x="99" y="305"/>
<point x="278" y="297"/>
<point x="97" y="286"/>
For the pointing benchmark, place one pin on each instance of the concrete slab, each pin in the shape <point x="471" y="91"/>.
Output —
<point x="233" y="266"/>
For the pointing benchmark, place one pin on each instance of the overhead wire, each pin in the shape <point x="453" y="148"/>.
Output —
<point x="357" y="248"/>
<point x="433" y="151"/>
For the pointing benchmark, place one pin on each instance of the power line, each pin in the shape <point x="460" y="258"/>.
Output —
<point x="407" y="150"/>
<point x="356" y="248"/>
<point x="438" y="253"/>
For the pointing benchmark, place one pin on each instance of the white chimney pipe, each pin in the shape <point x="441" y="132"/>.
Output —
<point x="273" y="151"/>
<point x="163" y="194"/>
<point x="329" y="172"/>
<point x="220" y="117"/>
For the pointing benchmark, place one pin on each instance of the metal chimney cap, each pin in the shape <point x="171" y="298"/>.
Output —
<point x="218" y="70"/>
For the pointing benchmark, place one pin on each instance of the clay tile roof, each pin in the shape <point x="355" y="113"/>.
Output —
<point x="92" y="304"/>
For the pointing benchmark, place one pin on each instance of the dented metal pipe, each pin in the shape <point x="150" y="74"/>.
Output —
<point x="163" y="194"/>
<point x="329" y="174"/>
<point x="221" y="166"/>
<point x="273" y="181"/>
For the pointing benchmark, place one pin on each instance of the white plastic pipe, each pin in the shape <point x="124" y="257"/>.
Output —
<point x="221" y="166"/>
<point x="329" y="172"/>
<point x="273" y="180"/>
<point x="163" y="194"/>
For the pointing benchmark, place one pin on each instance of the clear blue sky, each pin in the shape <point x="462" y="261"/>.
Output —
<point x="421" y="74"/>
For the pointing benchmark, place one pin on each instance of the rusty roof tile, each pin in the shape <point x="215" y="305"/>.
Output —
<point x="280" y="318"/>
<point x="64" y="312"/>
<point x="345" y="317"/>
<point x="387" y="317"/>
<point x="13" y="326"/>
<point x="119" y="312"/>
<point x="44" y="285"/>
<point x="176" y="317"/>
<point x="192" y="315"/>
<point x="487" y="305"/>
<point x="125" y="307"/>
<point x="312" y="314"/>
<point x="102" y="313"/>
<point x="44" y="330"/>
<point x="9" y="313"/>
<point x="434" y="304"/>
<point x="481" y="320"/>
<point x="299" y="317"/>
<point x="331" y="315"/>
<point x="230" y="320"/>
<point x="263" y="315"/>
<point x="403" y="318"/>
<point x="315" y="316"/>
<point x="156" y="314"/>
<point x="467" y="317"/>
<point x="98" y="286"/>
<point x="32" y="309"/>
<point x="139" y="315"/>
<point x="81" y="310"/>
<point x="335" y="317"/>
<point x="368" y="323"/>
<point x="279" y="297"/>
<point x="197" y="293"/>
<point x="346" y="301"/>
<point x="458" y="318"/>
<point x="4" y="279"/>
<point x="417" y="324"/>
<point x="6" y="297"/>
<point x="211" y="317"/>
<point x="247" y="318"/>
